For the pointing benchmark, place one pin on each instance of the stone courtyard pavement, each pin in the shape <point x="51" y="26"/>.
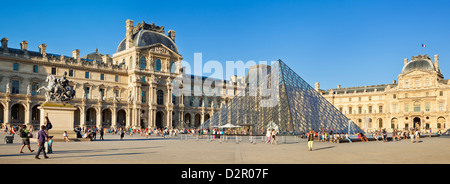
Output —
<point x="173" y="150"/>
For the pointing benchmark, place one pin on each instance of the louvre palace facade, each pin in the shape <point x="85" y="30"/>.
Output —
<point x="131" y="88"/>
<point x="418" y="100"/>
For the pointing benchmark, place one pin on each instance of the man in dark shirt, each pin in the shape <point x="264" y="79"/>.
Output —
<point x="42" y="136"/>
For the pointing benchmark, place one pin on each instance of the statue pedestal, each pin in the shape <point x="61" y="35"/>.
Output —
<point x="61" y="117"/>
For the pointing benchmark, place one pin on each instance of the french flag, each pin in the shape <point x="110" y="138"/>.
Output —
<point x="423" y="45"/>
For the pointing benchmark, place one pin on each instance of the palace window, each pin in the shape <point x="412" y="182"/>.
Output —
<point x="158" y="65"/>
<point x="86" y="92"/>
<point x="116" y="78"/>
<point x="160" y="97"/>
<point x="370" y="109"/>
<point x="394" y="107"/>
<point x="441" y="106"/>
<point x="53" y="71"/>
<point x="416" y="107"/>
<point x="406" y="107"/>
<point x="35" y="69"/>
<point x="117" y="93"/>
<point x="349" y="110"/>
<point x="86" y="75"/>
<point x="172" y="67"/>
<point x="359" y="110"/>
<point x="143" y="63"/>
<point x="70" y="73"/>
<point x="144" y="96"/>
<point x="380" y="109"/>
<point x="427" y="106"/>
<point x="34" y="88"/>
<point x="16" y="66"/>
<point x="102" y="76"/>
<point x="441" y="93"/>
<point x="15" y="86"/>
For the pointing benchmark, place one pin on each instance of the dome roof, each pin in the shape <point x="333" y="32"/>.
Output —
<point x="421" y="64"/>
<point x="146" y="38"/>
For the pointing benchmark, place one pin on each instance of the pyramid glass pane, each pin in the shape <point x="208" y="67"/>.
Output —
<point x="295" y="107"/>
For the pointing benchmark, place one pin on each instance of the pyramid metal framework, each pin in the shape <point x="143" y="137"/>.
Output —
<point x="295" y="108"/>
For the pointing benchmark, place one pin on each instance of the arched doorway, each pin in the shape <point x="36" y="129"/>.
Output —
<point x="91" y="117"/>
<point x="394" y="123"/>
<point x="106" y="118"/>
<point x="197" y="120"/>
<point x="206" y="117"/>
<point x="187" y="120"/>
<point x="121" y="118"/>
<point x="416" y="123"/>
<point x="17" y="114"/>
<point x="440" y="123"/>
<point x="159" y="120"/>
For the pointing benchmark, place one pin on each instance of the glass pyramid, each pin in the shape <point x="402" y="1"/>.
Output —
<point x="291" y="106"/>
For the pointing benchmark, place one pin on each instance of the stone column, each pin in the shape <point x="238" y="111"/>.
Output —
<point x="82" y="116"/>
<point x="114" y="117"/>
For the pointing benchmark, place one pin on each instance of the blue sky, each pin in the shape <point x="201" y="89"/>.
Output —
<point x="348" y="42"/>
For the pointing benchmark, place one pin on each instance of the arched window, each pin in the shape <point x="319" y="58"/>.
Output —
<point x="160" y="97"/>
<point x="143" y="63"/>
<point x="158" y="65"/>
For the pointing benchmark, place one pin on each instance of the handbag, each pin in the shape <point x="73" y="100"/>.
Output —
<point x="30" y="135"/>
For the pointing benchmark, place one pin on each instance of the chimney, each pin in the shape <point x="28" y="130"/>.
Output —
<point x="129" y="34"/>
<point x="339" y="86"/>
<point x="5" y="44"/>
<point x="42" y="49"/>
<point x="24" y="45"/>
<point x="171" y="35"/>
<point x="394" y="81"/>
<point x="317" y="86"/>
<point x="76" y="54"/>
<point x="405" y="61"/>
<point x="436" y="62"/>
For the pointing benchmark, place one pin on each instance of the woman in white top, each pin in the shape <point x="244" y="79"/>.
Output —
<point x="268" y="135"/>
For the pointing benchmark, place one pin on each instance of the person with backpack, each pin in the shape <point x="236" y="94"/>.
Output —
<point x="24" y="134"/>
<point x="42" y="137"/>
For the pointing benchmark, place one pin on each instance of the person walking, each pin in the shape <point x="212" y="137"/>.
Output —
<point x="274" y="136"/>
<point x="42" y="136"/>
<point x="268" y="135"/>
<point x="25" y="138"/>
<point x="101" y="133"/>
<point x="311" y="140"/>
<point x="411" y="135"/>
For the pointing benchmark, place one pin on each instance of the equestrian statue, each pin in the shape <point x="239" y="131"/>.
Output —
<point x="57" y="90"/>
